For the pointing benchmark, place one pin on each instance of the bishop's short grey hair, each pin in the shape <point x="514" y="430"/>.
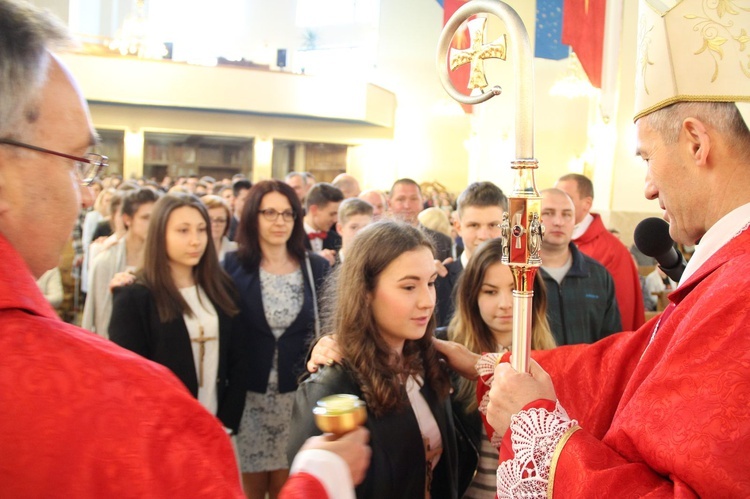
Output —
<point x="724" y="116"/>
<point x="26" y="36"/>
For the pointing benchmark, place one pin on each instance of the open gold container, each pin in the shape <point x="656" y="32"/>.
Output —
<point x="339" y="414"/>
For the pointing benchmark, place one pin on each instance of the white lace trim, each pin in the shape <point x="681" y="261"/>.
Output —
<point x="486" y="366"/>
<point x="535" y="434"/>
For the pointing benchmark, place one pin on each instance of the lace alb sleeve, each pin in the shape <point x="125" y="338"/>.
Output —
<point x="534" y="435"/>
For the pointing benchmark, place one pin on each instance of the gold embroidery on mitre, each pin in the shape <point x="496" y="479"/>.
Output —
<point x="716" y="31"/>
<point x="644" y="41"/>
<point x="692" y="50"/>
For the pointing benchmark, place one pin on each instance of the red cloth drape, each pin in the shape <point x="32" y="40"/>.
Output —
<point x="583" y="29"/>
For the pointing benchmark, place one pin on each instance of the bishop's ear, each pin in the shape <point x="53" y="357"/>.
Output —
<point x="695" y="137"/>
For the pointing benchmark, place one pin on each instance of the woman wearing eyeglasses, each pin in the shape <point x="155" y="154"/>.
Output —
<point x="278" y="283"/>
<point x="219" y="213"/>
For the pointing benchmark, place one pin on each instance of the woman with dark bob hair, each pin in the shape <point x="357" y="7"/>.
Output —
<point x="278" y="284"/>
<point x="181" y="311"/>
<point x="380" y="305"/>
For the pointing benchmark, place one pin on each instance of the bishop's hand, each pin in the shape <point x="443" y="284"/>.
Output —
<point x="512" y="391"/>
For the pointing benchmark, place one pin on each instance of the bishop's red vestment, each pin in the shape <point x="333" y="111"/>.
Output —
<point x="664" y="413"/>
<point x="604" y="247"/>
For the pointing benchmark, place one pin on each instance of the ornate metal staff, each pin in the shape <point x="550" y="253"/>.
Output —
<point x="522" y="230"/>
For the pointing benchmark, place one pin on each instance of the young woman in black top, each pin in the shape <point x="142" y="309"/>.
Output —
<point x="181" y="312"/>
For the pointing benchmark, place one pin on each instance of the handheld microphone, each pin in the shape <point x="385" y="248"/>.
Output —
<point x="652" y="239"/>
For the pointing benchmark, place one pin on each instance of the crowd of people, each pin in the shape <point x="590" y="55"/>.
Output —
<point x="102" y="226"/>
<point x="216" y="314"/>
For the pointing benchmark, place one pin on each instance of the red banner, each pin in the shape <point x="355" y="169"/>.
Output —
<point x="583" y="29"/>
<point x="461" y="40"/>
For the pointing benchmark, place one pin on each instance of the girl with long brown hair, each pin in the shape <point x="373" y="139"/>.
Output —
<point x="483" y="322"/>
<point x="380" y="305"/>
<point x="181" y="312"/>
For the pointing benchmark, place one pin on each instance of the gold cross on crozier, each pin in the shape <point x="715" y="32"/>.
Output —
<point x="201" y="340"/>
<point x="477" y="53"/>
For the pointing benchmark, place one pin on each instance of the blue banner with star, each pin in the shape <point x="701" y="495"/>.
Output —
<point x="549" y="30"/>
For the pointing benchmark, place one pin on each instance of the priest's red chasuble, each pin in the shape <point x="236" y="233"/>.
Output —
<point x="81" y="417"/>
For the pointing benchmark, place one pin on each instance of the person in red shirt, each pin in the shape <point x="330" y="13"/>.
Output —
<point x="82" y="417"/>
<point x="594" y="240"/>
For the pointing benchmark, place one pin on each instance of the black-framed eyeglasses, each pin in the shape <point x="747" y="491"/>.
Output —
<point x="87" y="167"/>
<point x="271" y="215"/>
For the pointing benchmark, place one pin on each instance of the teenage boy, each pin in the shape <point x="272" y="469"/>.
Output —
<point x="322" y="209"/>
<point x="354" y="215"/>
<point x="480" y="214"/>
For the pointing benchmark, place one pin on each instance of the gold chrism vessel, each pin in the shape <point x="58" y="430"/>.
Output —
<point x="339" y="414"/>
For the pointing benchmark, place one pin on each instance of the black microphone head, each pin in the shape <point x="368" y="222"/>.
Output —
<point x="652" y="237"/>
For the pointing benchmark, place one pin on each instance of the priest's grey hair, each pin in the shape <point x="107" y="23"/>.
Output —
<point x="27" y="34"/>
